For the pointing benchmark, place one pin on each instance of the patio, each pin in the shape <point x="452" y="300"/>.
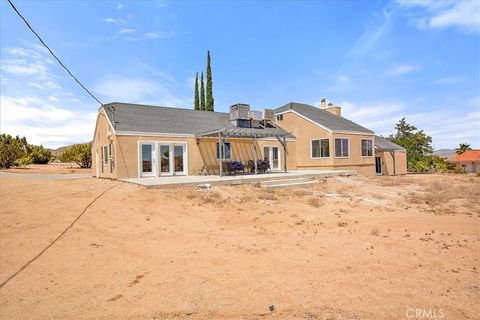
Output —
<point x="158" y="182"/>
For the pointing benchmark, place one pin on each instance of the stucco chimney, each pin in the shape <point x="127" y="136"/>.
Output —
<point x="334" y="109"/>
<point x="323" y="103"/>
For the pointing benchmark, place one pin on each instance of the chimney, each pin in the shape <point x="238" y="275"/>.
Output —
<point x="323" y="103"/>
<point x="334" y="109"/>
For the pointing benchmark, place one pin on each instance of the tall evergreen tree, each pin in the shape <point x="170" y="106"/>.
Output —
<point x="209" y="103"/>
<point x="196" y="102"/>
<point x="202" y="94"/>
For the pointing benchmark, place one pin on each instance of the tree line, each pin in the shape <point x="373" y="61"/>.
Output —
<point x="204" y="100"/>
<point x="420" y="157"/>
<point x="16" y="151"/>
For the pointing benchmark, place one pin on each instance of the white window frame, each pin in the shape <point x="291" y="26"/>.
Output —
<point x="329" y="148"/>
<point x="218" y="153"/>
<point x="361" y="148"/>
<point x="335" y="148"/>
<point x="105" y="155"/>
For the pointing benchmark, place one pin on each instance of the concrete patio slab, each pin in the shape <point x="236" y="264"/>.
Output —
<point x="158" y="182"/>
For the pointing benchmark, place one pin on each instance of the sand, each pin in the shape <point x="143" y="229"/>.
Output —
<point x="349" y="248"/>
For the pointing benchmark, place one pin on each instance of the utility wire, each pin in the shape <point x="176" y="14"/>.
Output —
<point x="51" y="52"/>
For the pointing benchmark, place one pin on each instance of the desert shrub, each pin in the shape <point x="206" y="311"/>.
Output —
<point x="315" y="201"/>
<point x="11" y="149"/>
<point x="36" y="155"/>
<point x="478" y="174"/>
<point x="267" y="196"/>
<point x="81" y="154"/>
<point x="458" y="170"/>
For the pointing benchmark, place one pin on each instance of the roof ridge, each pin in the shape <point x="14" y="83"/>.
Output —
<point x="164" y="107"/>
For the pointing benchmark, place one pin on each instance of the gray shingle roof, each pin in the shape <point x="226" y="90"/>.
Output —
<point x="325" y="118"/>
<point x="382" y="144"/>
<point x="153" y="119"/>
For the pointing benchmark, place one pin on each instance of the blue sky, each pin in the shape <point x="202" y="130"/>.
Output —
<point x="379" y="60"/>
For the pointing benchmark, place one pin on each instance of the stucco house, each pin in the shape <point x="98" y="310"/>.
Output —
<point x="134" y="141"/>
<point x="469" y="161"/>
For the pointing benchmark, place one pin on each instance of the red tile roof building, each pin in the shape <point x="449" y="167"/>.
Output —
<point x="469" y="155"/>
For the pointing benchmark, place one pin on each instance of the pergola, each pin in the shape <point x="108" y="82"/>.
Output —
<point x="248" y="133"/>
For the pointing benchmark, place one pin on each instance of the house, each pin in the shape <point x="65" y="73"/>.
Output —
<point x="390" y="158"/>
<point x="133" y="141"/>
<point x="469" y="161"/>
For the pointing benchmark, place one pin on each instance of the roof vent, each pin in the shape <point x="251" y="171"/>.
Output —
<point x="268" y="114"/>
<point x="239" y="111"/>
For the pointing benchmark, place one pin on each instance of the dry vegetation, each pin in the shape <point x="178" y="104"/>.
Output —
<point x="239" y="251"/>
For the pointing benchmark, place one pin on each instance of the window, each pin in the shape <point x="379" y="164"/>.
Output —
<point x="341" y="148"/>
<point x="226" y="154"/>
<point x="367" y="148"/>
<point x="321" y="148"/>
<point x="105" y="155"/>
<point x="111" y="157"/>
<point x="279" y="117"/>
<point x="266" y="153"/>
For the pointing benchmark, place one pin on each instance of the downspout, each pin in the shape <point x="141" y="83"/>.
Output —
<point x="220" y="147"/>
<point x="255" y="153"/>
<point x="394" y="165"/>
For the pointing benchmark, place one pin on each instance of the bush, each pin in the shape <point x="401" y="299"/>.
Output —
<point x="81" y="154"/>
<point x="458" y="170"/>
<point x="36" y="155"/>
<point x="11" y="149"/>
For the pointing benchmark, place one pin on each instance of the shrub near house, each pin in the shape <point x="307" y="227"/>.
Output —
<point x="79" y="153"/>
<point x="16" y="150"/>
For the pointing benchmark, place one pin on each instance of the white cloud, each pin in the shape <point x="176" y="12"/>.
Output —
<point x="110" y="20"/>
<point x="343" y="79"/>
<point x="429" y="14"/>
<point x="399" y="70"/>
<point x="44" y="123"/>
<point x="373" y="33"/>
<point x="448" y="80"/>
<point x="119" y="6"/>
<point x="140" y="90"/>
<point x="127" y="30"/>
<point x="32" y="62"/>
<point x="150" y="36"/>
<point x="448" y="126"/>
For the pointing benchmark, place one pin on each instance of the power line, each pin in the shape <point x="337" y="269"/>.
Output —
<point x="51" y="52"/>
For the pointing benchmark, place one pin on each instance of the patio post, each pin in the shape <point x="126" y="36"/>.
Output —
<point x="255" y="152"/>
<point x="284" y="154"/>
<point x="220" y="151"/>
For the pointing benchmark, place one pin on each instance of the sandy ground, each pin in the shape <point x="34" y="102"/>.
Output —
<point x="349" y="248"/>
<point x="53" y="168"/>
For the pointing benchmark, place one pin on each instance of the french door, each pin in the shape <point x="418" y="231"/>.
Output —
<point x="272" y="154"/>
<point x="147" y="160"/>
<point x="172" y="159"/>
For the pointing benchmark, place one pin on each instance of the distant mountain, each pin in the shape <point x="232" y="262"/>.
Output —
<point x="445" y="153"/>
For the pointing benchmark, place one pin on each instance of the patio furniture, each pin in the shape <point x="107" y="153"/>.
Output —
<point x="233" y="167"/>
<point x="263" y="166"/>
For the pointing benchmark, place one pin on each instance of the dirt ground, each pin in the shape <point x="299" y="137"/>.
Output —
<point x="348" y="248"/>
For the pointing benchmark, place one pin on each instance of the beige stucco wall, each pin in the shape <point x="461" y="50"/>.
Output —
<point x="103" y="137"/>
<point x="200" y="152"/>
<point x="387" y="162"/>
<point x="305" y="131"/>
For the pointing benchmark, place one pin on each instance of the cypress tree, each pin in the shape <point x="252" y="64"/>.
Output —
<point x="196" y="102"/>
<point x="202" y="93"/>
<point x="209" y="103"/>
